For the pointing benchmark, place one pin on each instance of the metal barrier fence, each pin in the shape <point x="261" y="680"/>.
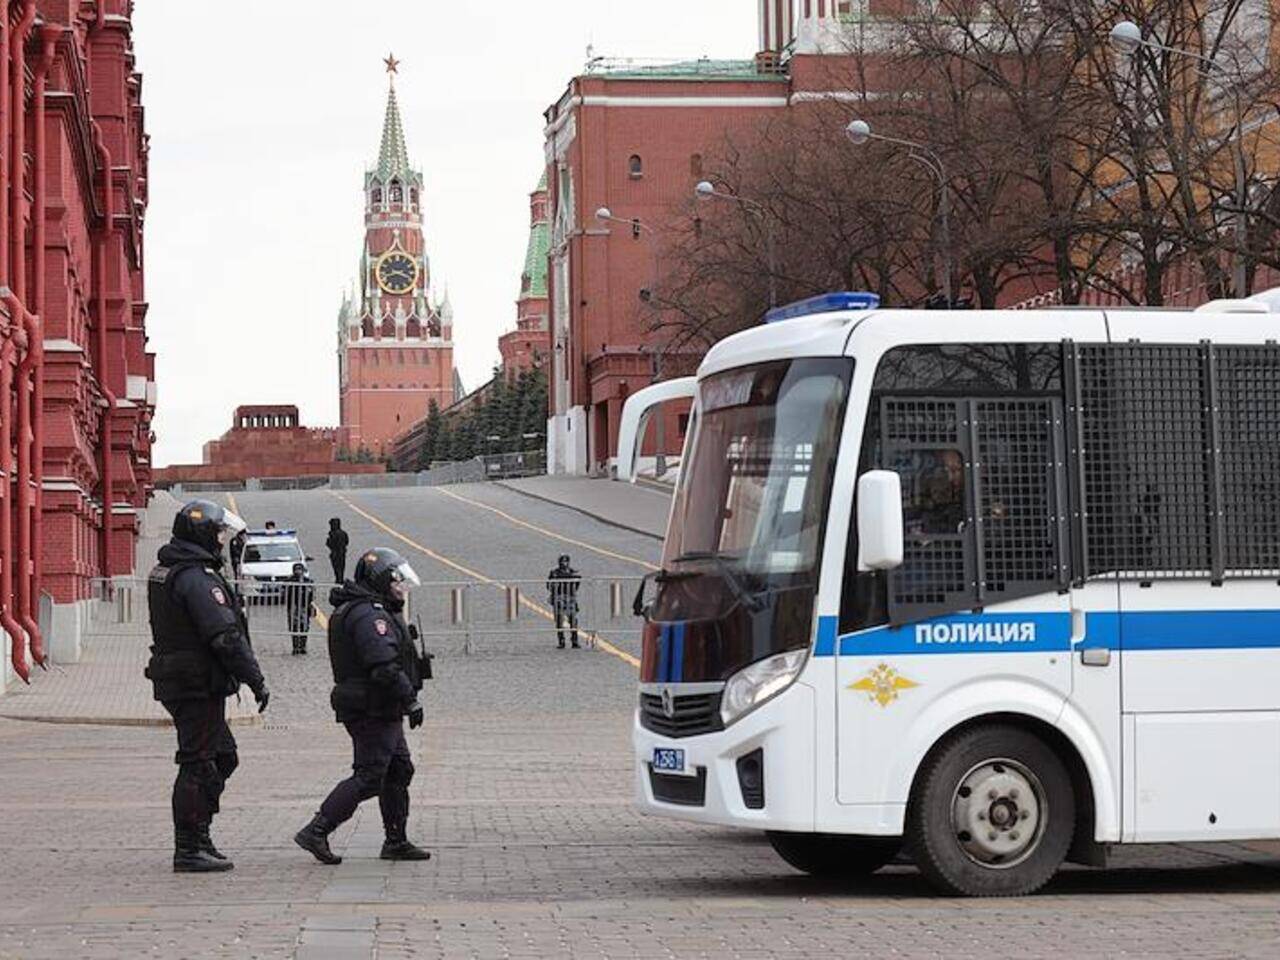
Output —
<point x="462" y="616"/>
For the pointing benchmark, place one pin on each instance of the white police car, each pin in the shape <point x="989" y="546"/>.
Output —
<point x="267" y="561"/>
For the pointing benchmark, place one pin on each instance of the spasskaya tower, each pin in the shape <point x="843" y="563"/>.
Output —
<point x="395" y="340"/>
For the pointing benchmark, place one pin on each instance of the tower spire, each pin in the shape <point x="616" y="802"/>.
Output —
<point x="393" y="156"/>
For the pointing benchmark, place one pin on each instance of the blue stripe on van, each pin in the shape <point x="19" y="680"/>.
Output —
<point x="1047" y="632"/>
<point x="662" y="652"/>
<point x="677" y="654"/>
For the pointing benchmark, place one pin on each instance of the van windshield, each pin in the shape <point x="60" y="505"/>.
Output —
<point x="753" y="494"/>
<point x="277" y="552"/>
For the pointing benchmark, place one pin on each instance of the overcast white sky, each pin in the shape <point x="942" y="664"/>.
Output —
<point x="263" y="117"/>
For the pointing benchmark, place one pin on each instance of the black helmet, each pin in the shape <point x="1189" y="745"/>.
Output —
<point x="386" y="573"/>
<point x="207" y="525"/>
<point x="564" y="560"/>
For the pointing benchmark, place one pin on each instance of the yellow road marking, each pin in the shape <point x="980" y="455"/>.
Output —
<point x="548" y="533"/>
<point x="321" y="619"/>
<point x="235" y="508"/>
<point x="537" y="608"/>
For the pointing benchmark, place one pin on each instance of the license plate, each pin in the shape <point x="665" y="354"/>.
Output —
<point x="668" y="760"/>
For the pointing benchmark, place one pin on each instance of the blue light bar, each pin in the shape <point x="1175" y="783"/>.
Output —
<point x="272" y="533"/>
<point x="826" y="303"/>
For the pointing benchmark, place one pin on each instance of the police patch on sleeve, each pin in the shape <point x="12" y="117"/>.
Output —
<point x="219" y="595"/>
<point x="381" y="626"/>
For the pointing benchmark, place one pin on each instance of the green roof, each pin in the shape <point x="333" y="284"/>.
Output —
<point x="393" y="157"/>
<point x="535" y="261"/>
<point x="704" y="68"/>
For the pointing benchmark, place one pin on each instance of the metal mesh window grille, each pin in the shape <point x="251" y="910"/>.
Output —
<point x="1147" y="509"/>
<point x="985" y="501"/>
<point x="1248" y="394"/>
<point x="1020" y="517"/>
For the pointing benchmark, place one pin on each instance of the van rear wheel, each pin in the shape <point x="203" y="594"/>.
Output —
<point x="992" y="814"/>
<point x="833" y="854"/>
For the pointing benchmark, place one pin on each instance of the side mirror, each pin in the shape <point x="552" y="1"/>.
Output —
<point x="879" y="521"/>
<point x="309" y="559"/>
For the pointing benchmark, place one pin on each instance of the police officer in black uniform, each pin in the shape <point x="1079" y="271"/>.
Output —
<point x="200" y="655"/>
<point x="377" y="675"/>
<point x="562" y="587"/>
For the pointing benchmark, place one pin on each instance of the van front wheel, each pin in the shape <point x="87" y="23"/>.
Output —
<point x="833" y="854"/>
<point x="992" y="813"/>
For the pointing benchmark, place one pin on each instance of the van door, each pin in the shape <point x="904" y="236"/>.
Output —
<point x="980" y="610"/>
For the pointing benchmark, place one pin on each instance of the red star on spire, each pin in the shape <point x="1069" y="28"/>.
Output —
<point x="392" y="63"/>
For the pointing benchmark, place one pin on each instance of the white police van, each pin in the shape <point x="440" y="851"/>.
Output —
<point x="267" y="561"/>
<point x="999" y="588"/>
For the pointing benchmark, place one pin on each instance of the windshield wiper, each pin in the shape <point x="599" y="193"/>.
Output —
<point x="744" y="594"/>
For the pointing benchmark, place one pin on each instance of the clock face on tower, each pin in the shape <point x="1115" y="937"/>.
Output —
<point x="397" y="272"/>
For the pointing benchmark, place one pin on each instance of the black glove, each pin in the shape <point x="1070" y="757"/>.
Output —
<point x="263" y="696"/>
<point x="415" y="715"/>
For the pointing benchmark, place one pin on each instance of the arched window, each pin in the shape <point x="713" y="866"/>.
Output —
<point x="388" y="329"/>
<point x="397" y="192"/>
<point x="366" y="327"/>
<point x="413" y="196"/>
<point x="635" y="167"/>
<point x="413" y="329"/>
<point x="377" y="196"/>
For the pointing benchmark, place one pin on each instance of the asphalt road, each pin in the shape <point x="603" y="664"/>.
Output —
<point x="524" y="794"/>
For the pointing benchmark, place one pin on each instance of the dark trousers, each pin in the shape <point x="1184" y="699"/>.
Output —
<point x="339" y="563"/>
<point x="381" y="767"/>
<point x="567" y="617"/>
<point x="206" y="758"/>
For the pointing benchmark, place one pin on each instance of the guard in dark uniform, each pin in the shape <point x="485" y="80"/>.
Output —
<point x="562" y="589"/>
<point x="377" y="674"/>
<point x="299" y="607"/>
<point x="200" y="655"/>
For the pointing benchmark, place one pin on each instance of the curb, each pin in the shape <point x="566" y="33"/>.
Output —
<point x="586" y="513"/>
<point x="120" y="721"/>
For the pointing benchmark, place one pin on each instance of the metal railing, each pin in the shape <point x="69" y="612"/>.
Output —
<point x="453" y="616"/>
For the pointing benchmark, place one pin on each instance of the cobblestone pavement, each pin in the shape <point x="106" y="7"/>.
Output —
<point x="523" y="794"/>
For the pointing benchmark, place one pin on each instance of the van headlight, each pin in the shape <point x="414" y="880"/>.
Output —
<point x="763" y="680"/>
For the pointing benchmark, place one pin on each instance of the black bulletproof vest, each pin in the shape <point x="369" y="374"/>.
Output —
<point x="342" y="651"/>
<point x="172" y="628"/>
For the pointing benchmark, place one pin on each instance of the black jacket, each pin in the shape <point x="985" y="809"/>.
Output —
<point x="372" y="655"/>
<point x="200" y="638"/>
<point x="337" y="542"/>
<point x="299" y="594"/>
<point x="562" y="587"/>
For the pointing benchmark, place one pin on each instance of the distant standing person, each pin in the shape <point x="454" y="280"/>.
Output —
<point x="236" y="549"/>
<point x="337" y="544"/>
<point x="562" y="587"/>
<point x="299" y="605"/>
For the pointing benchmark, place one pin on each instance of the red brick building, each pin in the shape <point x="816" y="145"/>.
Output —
<point x="266" y="440"/>
<point x="630" y="137"/>
<point x="78" y="387"/>
<point x="527" y="346"/>
<point x="395" y="343"/>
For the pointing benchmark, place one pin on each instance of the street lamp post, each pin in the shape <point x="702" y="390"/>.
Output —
<point x="705" y="190"/>
<point x="859" y="132"/>
<point x="1127" y="39"/>
<point x="642" y="229"/>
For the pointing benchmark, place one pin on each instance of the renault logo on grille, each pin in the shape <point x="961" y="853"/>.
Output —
<point x="668" y="704"/>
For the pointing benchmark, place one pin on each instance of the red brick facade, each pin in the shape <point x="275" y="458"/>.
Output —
<point x="395" y="344"/>
<point x="266" y="440"/>
<point x="630" y="138"/>
<point x="79" y="383"/>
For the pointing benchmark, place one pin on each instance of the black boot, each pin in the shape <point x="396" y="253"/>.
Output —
<point x="206" y="843"/>
<point x="190" y="857"/>
<point x="398" y="847"/>
<point x="314" y="838"/>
